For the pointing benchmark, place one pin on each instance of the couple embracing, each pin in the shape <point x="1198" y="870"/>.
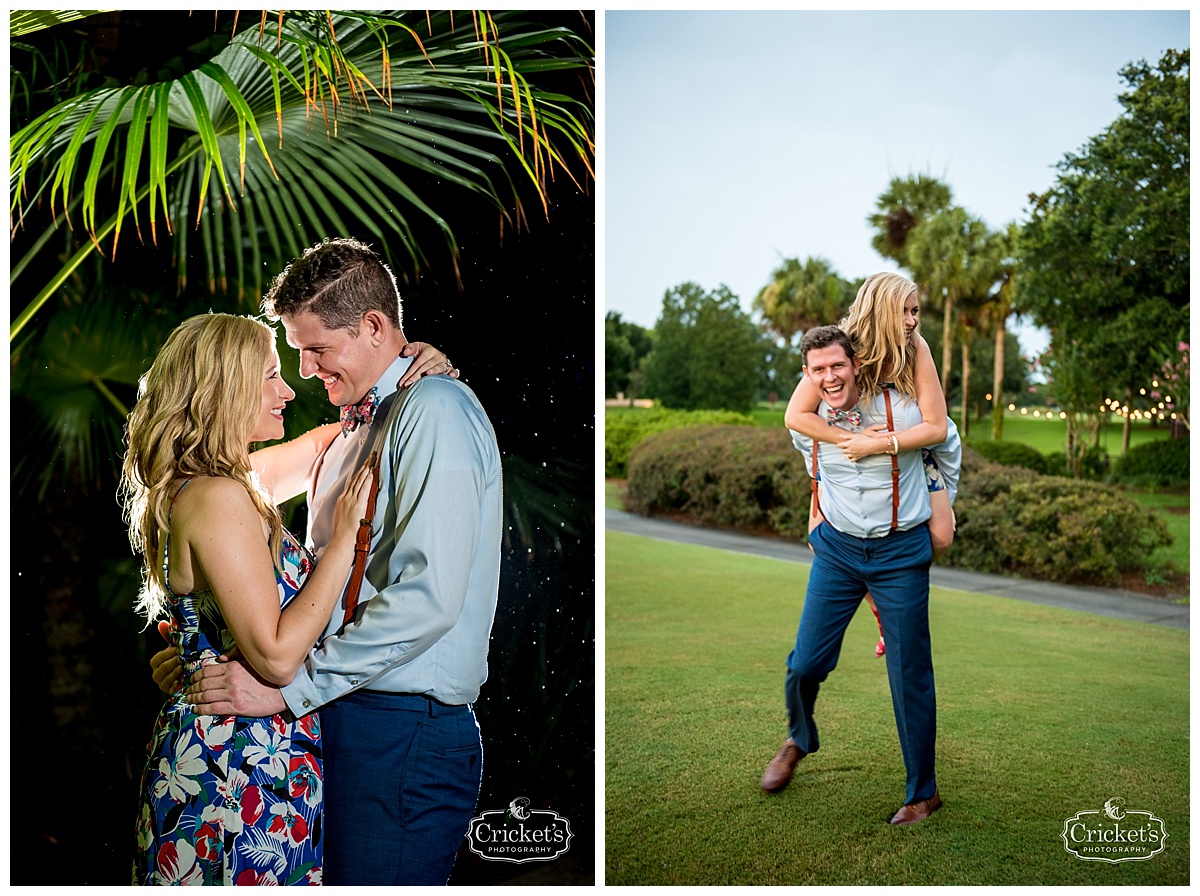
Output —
<point x="357" y="761"/>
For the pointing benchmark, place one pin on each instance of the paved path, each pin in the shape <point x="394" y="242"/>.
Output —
<point x="1103" y="601"/>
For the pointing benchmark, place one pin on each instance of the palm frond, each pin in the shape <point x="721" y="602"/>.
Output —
<point x="362" y="107"/>
<point x="27" y="21"/>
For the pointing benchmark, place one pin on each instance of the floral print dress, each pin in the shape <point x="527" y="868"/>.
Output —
<point x="229" y="800"/>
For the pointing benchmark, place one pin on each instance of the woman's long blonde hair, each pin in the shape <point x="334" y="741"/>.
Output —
<point x="196" y="409"/>
<point x="875" y="323"/>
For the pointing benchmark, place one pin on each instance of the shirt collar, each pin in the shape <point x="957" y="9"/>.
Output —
<point x="389" y="382"/>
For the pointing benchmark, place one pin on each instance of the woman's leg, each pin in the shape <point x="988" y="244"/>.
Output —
<point x="941" y="523"/>
<point x="879" y="648"/>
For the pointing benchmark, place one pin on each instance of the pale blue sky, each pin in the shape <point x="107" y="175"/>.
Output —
<point x="735" y="139"/>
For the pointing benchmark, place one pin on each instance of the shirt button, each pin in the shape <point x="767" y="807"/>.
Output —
<point x="307" y="704"/>
<point x="354" y="681"/>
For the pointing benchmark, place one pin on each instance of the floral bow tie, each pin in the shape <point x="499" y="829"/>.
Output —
<point x="853" y="417"/>
<point x="363" y="412"/>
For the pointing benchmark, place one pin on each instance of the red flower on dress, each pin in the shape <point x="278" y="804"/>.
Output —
<point x="287" y="824"/>
<point x="208" y="842"/>
<point x="176" y="864"/>
<point x="310" y="725"/>
<point x="252" y="805"/>
<point x="252" y="878"/>
<point x="304" y="779"/>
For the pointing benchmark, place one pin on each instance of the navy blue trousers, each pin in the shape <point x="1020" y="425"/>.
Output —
<point x="402" y="776"/>
<point x="895" y="569"/>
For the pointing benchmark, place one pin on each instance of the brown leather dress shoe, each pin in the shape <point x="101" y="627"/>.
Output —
<point x="779" y="770"/>
<point x="918" y="811"/>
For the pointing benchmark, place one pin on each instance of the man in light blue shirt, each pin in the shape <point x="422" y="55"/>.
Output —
<point x="395" y="683"/>
<point x="874" y="538"/>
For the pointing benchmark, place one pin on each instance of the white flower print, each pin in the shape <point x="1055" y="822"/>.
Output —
<point x="270" y="748"/>
<point x="230" y="790"/>
<point x="180" y="770"/>
<point x="177" y="865"/>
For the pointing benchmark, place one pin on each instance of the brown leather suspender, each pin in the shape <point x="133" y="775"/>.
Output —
<point x="362" y="544"/>
<point x="887" y="400"/>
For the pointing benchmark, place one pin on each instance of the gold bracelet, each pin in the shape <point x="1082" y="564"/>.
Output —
<point x="895" y="446"/>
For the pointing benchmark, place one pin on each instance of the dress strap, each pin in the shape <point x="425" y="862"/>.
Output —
<point x="167" y="539"/>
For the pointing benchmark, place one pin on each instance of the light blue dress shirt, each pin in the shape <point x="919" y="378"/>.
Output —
<point x="428" y="598"/>
<point x="856" y="497"/>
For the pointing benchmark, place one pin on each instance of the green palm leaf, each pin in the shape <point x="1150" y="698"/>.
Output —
<point x="360" y="102"/>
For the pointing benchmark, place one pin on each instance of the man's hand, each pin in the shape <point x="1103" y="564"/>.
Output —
<point x="232" y="689"/>
<point x="166" y="668"/>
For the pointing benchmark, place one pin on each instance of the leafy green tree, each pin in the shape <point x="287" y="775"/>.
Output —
<point x="625" y="346"/>
<point x="707" y="351"/>
<point x="1077" y="372"/>
<point x="802" y="295"/>
<point x="1104" y="256"/>
<point x="781" y="371"/>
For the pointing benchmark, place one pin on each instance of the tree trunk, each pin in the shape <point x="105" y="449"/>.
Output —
<point x="1073" y="454"/>
<point x="965" y="424"/>
<point x="997" y="386"/>
<point x="946" y="319"/>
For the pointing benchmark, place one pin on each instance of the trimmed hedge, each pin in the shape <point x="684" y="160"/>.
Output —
<point x="1052" y="528"/>
<point x="744" y="477"/>
<point x="1010" y="520"/>
<point x="624" y="428"/>
<point x="1164" y="463"/>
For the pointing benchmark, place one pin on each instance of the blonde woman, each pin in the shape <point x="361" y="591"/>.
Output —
<point x="225" y="799"/>
<point x="883" y="323"/>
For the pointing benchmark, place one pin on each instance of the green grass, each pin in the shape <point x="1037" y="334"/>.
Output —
<point x="1173" y="508"/>
<point x="612" y="495"/>
<point x="1042" y="713"/>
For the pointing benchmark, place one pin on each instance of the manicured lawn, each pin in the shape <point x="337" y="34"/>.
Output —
<point x="1042" y="713"/>
<point x="1173" y="508"/>
<point x="1049" y="436"/>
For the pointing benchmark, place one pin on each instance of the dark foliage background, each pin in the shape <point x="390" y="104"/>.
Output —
<point x="522" y="330"/>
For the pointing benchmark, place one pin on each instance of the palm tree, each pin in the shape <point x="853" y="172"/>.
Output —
<point x="943" y="252"/>
<point x="802" y="295"/>
<point x="972" y="304"/>
<point x="1003" y="245"/>
<point x="311" y="115"/>
<point x="902" y="207"/>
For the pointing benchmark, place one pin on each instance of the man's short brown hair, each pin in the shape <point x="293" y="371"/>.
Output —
<point x="338" y="280"/>
<point x="823" y="337"/>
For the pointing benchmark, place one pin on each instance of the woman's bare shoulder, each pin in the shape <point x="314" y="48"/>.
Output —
<point x="210" y="497"/>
